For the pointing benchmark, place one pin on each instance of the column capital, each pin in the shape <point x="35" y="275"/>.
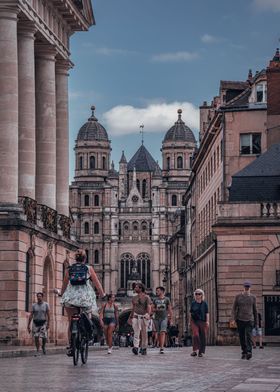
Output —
<point x="62" y="66"/>
<point x="9" y="9"/>
<point x="26" y="28"/>
<point x="45" y="51"/>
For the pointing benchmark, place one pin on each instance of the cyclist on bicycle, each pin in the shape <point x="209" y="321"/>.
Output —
<point x="77" y="291"/>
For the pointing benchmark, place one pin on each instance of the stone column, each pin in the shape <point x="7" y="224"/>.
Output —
<point x="8" y="104"/>
<point x="26" y="80"/>
<point x="62" y="138"/>
<point x="45" y="125"/>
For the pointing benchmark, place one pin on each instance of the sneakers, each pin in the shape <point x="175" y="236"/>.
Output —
<point x="109" y="350"/>
<point x="194" y="354"/>
<point x="144" y="351"/>
<point x="243" y="356"/>
<point x="261" y="347"/>
<point x="135" y="350"/>
<point x="249" y="356"/>
<point x="200" y="355"/>
<point x="161" y="351"/>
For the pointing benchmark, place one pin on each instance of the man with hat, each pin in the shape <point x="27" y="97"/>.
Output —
<point x="245" y="314"/>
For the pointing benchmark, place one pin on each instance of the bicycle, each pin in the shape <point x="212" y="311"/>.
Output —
<point x="79" y="337"/>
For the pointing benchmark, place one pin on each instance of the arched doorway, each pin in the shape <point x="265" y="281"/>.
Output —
<point x="271" y="293"/>
<point x="124" y="327"/>
<point x="48" y="290"/>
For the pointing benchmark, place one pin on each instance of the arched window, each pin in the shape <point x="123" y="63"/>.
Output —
<point x="96" y="200"/>
<point x="104" y="163"/>
<point x="87" y="256"/>
<point x="180" y="163"/>
<point x="81" y="163"/>
<point x="86" y="228"/>
<point x="96" y="228"/>
<point x="174" y="200"/>
<point x="138" y="185"/>
<point x="96" y="257"/>
<point x="92" y="162"/>
<point x="168" y="163"/>
<point x="27" y="282"/>
<point x="86" y="200"/>
<point x="144" y="188"/>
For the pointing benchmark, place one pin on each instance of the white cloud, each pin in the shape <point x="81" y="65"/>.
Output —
<point x="113" y="51"/>
<point x="159" y="117"/>
<point x="210" y="39"/>
<point x="270" y="5"/>
<point x="175" y="57"/>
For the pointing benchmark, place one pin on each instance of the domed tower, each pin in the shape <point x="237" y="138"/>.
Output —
<point x="177" y="148"/>
<point x="92" y="151"/>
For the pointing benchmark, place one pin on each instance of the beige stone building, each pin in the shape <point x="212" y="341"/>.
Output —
<point x="228" y="239"/>
<point x="124" y="219"/>
<point x="35" y="242"/>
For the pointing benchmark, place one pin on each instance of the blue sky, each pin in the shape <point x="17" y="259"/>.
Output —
<point x="146" y="58"/>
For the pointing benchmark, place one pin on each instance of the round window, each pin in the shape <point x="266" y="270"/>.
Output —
<point x="135" y="199"/>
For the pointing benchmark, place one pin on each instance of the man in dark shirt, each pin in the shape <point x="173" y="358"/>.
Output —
<point x="245" y="314"/>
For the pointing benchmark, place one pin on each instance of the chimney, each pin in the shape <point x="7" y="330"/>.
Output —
<point x="273" y="100"/>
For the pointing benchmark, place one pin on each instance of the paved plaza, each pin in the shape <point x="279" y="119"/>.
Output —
<point x="221" y="370"/>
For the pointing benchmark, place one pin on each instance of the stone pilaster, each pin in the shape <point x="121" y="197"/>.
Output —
<point x="26" y="80"/>
<point x="45" y="125"/>
<point x="62" y="137"/>
<point x="8" y="104"/>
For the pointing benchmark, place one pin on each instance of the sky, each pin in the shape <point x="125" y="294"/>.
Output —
<point x="145" y="59"/>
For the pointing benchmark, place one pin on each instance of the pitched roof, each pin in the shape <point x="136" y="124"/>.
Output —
<point x="142" y="161"/>
<point x="260" y="180"/>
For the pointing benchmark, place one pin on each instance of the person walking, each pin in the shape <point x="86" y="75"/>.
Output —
<point x="139" y="318"/>
<point x="40" y="315"/>
<point x="245" y="314"/>
<point x="162" y="310"/>
<point x="257" y="333"/>
<point x="199" y="316"/>
<point x="109" y="319"/>
<point x="77" y="291"/>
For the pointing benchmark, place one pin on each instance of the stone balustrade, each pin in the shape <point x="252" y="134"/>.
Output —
<point x="253" y="210"/>
<point x="45" y="217"/>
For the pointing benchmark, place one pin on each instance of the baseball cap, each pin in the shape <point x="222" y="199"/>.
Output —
<point x="247" y="283"/>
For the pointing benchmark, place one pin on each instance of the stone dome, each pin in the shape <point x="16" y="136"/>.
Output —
<point x="92" y="129"/>
<point x="179" y="131"/>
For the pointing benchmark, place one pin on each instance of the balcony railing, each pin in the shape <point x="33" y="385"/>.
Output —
<point x="270" y="210"/>
<point x="46" y="217"/>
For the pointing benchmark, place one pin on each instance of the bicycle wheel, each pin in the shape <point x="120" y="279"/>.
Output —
<point x="84" y="350"/>
<point x="75" y="348"/>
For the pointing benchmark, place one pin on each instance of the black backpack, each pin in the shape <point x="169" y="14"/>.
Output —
<point x="78" y="274"/>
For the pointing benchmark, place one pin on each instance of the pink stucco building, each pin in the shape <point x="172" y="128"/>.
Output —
<point x="224" y="237"/>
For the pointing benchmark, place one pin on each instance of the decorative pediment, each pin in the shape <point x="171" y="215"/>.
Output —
<point x="134" y="198"/>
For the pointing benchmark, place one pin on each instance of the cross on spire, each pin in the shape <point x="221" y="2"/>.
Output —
<point x="142" y="132"/>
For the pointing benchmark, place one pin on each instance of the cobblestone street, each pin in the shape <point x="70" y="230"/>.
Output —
<point x="221" y="370"/>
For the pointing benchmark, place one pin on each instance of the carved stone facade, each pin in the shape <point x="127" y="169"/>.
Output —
<point x="125" y="219"/>
<point x="35" y="240"/>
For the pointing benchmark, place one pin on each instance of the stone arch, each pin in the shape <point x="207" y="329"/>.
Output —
<point x="48" y="290"/>
<point x="29" y="279"/>
<point x="270" y="266"/>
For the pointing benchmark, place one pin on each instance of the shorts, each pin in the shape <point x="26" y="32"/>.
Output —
<point x="40" y="331"/>
<point x="108" y="321"/>
<point x="257" y="332"/>
<point x="160" y="325"/>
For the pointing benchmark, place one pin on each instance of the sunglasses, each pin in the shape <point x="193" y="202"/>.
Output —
<point x="197" y="294"/>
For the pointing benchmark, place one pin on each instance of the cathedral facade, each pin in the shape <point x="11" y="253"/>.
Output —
<point x="125" y="218"/>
